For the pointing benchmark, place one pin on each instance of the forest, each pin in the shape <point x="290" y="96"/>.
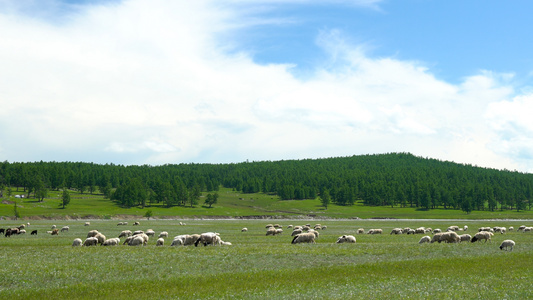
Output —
<point x="392" y="179"/>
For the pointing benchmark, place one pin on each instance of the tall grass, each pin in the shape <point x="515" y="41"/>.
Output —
<point x="258" y="266"/>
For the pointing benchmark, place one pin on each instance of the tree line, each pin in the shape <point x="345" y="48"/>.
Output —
<point x="393" y="179"/>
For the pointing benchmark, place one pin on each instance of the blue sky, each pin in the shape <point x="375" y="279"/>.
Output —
<point x="156" y="82"/>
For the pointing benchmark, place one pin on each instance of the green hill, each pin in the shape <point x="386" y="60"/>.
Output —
<point x="395" y="185"/>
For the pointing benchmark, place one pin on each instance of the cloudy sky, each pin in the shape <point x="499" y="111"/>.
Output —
<point x="218" y="81"/>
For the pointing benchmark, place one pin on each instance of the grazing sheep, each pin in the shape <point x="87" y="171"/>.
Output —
<point x="138" y="232"/>
<point x="77" y="242"/>
<point x="482" y="235"/>
<point x="53" y="227"/>
<point x="208" y="238"/>
<point x="22" y="231"/>
<point x="375" y="231"/>
<point x="346" y="239"/>
<point x="279" y="231"/>
<point x="137" y="241"/>
<point x="511" y="228"/>
<point x="124" y="223"/>
<point x="244" y="229"/>
<point x="450" y="237"/>
<point x="465" y="237"/>
<point x="360" y="231"/>
<point x="316" y="233"/>
<point x="308" y="237"/>
<point x="290" y="226"/>
<point x="453" y="228"/>
<point x="465" y="228"/>
<point x="160" y="242"/>
<point x="87" y="224"/>
<point x="506" y="244"/>
<point x="271" y="231"/>
<point x="65" y="228"/>
<point x="163" y="234"/>
<point x="396" y="231"/>
<point x="2" y="230"/>
<point x="269" y="225"/>
<point x="317" y="227"/>
<point x="101" y="238"/>
<point x="90" y="241"/>
<point x="296" y="232"/>
<point x="185" y="240"/>
<point x="21" y="227"/>
<point x="125" y="233"/>
<point x="111" y="242"/>
<point x="144" y="237"/>
<point x="136" y="224"/>
<point x="34" y="232"/>
<point x="128" y="240"/>
<point x="425" y="239"/>
<point x="150" y="232"/>
<point x="92" y="233"/>
<point x="436" y="237"/>
<point x="528" y="229"/>
<point x="55" y="232"/>
<point x="324" y="227"/>
<point x="410" y="231"/>
<point x="436" y="230"/>
<point x="420" y="230"/>
<point x="521" y="227"/>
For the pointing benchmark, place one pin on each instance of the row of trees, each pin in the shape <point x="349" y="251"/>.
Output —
<point x="395" y="179"/>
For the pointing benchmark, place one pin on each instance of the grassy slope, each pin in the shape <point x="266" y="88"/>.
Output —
<point x="232" y="204"/>
<point x="259" y="267"/>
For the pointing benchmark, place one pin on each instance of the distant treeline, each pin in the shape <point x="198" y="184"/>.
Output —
<point x="395" y="179"/>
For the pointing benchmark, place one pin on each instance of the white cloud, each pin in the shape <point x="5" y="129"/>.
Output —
<point x="154" y="81"/>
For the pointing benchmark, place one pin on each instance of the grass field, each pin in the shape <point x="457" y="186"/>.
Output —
<point x="265" y="267"/>
<point x="231" y="204"/>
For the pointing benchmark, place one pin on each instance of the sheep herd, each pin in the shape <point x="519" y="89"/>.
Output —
<point x="300" y="234"/>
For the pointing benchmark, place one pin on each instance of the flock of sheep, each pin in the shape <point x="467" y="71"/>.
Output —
<point x="306" y="234"/>
<point x="301" y="234"/>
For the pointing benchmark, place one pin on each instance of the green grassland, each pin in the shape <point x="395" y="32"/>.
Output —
<point x="230" y="204"/>
<point x="265" y="267"/>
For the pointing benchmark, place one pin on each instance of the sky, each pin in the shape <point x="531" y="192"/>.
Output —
<point x="219" y="81"/>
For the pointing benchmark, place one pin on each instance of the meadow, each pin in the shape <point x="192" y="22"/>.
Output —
<point x="265" y="267"/>
<point x="230" y="204"/>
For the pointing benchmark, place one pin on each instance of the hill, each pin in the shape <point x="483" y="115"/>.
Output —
<point x="383" y="185"/>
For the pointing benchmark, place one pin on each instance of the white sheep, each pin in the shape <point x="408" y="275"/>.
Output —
<point x="465" y="237"/>
<point x="87" y="224"/>
<point x="208" y="238"/>
<point x="465" y="228"/>
<point x="160" y="242"/>
<point x="128" y="240"/>
<point x="296" y="232"/>
<point x="375" y="231"/>
<point x="271" y="231"/>
<point x="436" y="237"/>
<point x="420" y="230"/>
<point x="92" y="233"/>
<point x="308" y="237"/>
<point x="482" y="235"/>
<point x="506" y="244"/>
<point x="511" y="228"/>
<point x="528" y="229"/>
<point x="111" y="242"/>
<point x="290" y="226"/>
<point x="138" y="232"/>
<point x="150" y="232"/>
<point x="163" y="234"/>
<point x="425" y="239"/>
<point x="54" y="227"/>
<point x="436" y="230"/>
<point x="77" y="242"/>
<point x="450" y="237"/>
<point x="136" y="224"/>
<point x="65" y="228"/>
<point x="90" y="241"/>
<point x="279" y="231"/>
<point x="346" y="239"/>
<point x="101" y="238"/>
<point x="185" y="240"/>
<point x="22" y="231"/>
<point x="137" y="241"/>
<point x="396" y="231"/>
<point x="125" y="233"/>
<point x="244" y="229"/>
